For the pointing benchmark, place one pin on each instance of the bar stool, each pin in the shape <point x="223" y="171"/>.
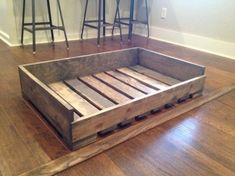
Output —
<point x="47" y="25"/>
<point x="101" y="22"/>
<point x="129" y="21"/>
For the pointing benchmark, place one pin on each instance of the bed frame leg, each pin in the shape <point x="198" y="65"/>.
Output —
<point x="107" y="131"/>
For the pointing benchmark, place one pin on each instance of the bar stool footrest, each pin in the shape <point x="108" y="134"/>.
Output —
<point x="45" y="28"/>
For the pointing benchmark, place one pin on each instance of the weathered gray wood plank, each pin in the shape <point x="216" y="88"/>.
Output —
<point x="88" y="125"/>
<point x="105" y="90"/>
<point x="89" y="93"/>
<point x="75" y="100"/>
<point x="57" y="111"/>
<point x="120" y="86"/>
<point x="144" y="79"/>
<point x="131" y="81"/>
<point x="156" y="75"/>
<point x="169" y="66"/>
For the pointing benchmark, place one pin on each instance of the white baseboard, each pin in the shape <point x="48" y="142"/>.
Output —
<point x="59" y="36"/>
<point x="5" y="38"/>
<point x="209" y="45"/>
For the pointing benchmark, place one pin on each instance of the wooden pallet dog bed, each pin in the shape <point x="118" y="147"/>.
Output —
<point x="86" y="96"/>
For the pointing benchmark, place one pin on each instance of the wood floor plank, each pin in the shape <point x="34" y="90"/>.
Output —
<point x="144" y="79"/>
<point x="79" y="103"/>
<point x="205" y="139"/>
<point x="223" y="120"/>
<point x="200" y="157"/>
<point x="105" y="90"/>
<point x="131" y="81"/>
<point x="90" y="94"/>
<point x="89" y="151"/>
<point x="219" y="75"/>
<point x="156" y="75"/>
<point x="116" y="84"/>
<point x="106" y="167"/>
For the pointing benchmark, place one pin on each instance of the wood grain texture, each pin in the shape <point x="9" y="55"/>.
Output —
<point x="116" y="84"/>
<point x="73" y="158"/>
<point x="178" y="68"/>
<point x="97" y="122"/>
<point x="94" y="97"/>
<point x="154" y="74"/>
<point x="80" y="104"/>
<point x="57" y="111"/>
<point x="131" y="81"/>
<point x="110" y="93"/>
<point x="144" y="79"/>
<point x="64" y="69"/>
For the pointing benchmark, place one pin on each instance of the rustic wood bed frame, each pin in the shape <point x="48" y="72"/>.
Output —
<point x="89" y="96"/>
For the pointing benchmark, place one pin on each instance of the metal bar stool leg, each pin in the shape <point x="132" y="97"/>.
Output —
<point x="115" y="16"/>
<point x="22" y="27"/>
<point x="99" y="21"/>
<point x="50" y="19"/>
<point x="147" y="17"/>
<point x="104" y="18"/>
<point x="62" y="21"/>
<point x="132" y="4"/>
<point x="33" y="27"/>
<point x="119" y="21"/>
<point x="84" y="19"/>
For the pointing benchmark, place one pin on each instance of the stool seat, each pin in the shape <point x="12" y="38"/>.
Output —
<point x="32" y="27"/>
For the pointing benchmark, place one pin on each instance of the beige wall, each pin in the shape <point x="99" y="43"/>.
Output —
<point x="4" y="23"/>
<point x="204" y="25"/>
<point x="211" y="18"/>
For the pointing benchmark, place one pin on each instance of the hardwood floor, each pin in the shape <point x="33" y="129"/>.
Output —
<point x="199" y="142"/>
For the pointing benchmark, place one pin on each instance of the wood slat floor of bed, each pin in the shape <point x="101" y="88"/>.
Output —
<point x="91" y="93"/>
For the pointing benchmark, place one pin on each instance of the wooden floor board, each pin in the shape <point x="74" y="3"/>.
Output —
<point x="106" y="167"/>
<point x="204" y="141"/>
<point x="205" y="145"/>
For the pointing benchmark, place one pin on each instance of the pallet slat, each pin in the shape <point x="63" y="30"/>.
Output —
<point x="89" y="93"/>
<point x="116" y="84"/>
<point x="105" y="90"/>
<point x="88" y="125"/>
<point x="79" y="103"/>
<point x="131" y="81"/>
<point x="144" y="79"/>
<point x="156" y="75"/>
